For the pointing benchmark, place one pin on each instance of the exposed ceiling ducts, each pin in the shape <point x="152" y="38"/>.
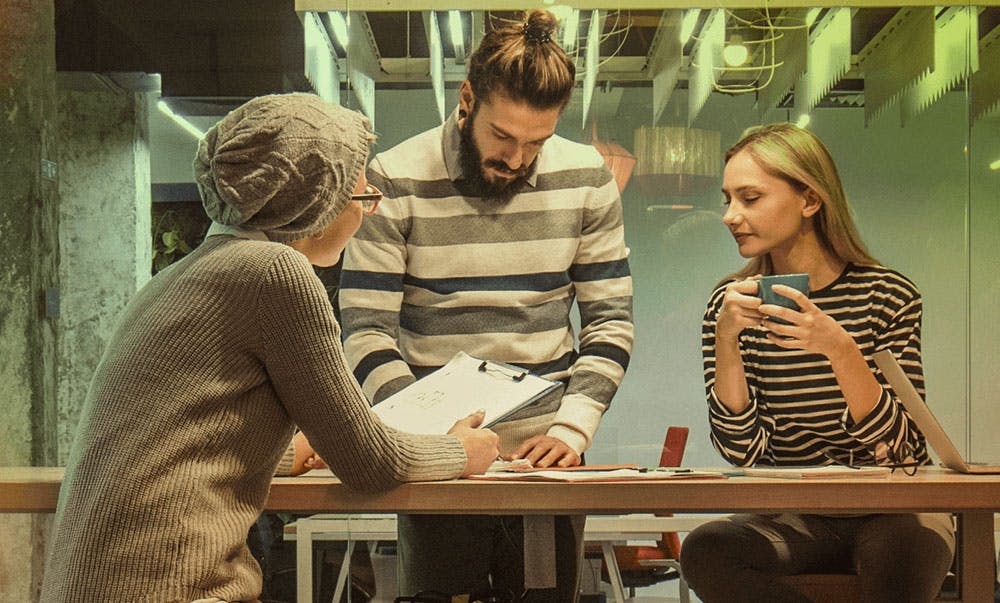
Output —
<point x="218" y="53"/>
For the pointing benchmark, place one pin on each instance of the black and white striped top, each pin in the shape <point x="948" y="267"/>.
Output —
<point x="797" y="413"/>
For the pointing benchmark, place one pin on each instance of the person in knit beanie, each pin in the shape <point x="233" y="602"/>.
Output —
<point x="215" y="363"/>
<point x="285" y="165"/>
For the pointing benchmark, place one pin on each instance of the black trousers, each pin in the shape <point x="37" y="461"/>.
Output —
<point x="459" y="554"/>
<point x="898" y="557"/>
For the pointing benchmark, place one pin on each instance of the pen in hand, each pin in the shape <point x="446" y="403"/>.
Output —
<point x="482" y="446"/>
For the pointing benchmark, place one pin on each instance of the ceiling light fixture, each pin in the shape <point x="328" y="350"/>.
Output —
<point x="803" y="120"/>
<point x="735" y="53"/>
<point x="672" y="161"/>
<point x="188" y="127"/>
<point x="758" y="34"/>
<point x="618" y="159"/>
<point x="995" y="165"/>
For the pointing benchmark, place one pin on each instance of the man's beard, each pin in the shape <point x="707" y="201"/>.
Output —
<point x="499" y="191"/>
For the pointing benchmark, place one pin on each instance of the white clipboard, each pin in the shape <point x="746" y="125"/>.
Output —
<point x="464" y="385"/>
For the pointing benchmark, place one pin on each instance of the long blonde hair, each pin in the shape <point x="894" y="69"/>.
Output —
<point x="800" y="158"/>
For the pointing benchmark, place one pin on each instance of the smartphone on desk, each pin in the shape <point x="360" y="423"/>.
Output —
<point x="799" y="282"/>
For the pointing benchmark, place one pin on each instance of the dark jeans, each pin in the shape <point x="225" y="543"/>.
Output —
<point x="277" y="560"/>
<point x="898" y="557"/>
<point x="459" y="554"/>
<point x="267" y="545"/>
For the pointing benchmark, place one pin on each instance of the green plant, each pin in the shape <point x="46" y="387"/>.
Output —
<point x="168" y="241"/>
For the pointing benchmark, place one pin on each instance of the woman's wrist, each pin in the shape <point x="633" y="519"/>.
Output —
<point x="844" y="350"/>
<point x="724" y="338"/>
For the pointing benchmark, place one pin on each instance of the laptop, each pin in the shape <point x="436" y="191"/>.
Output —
<point x="925" y="419"/>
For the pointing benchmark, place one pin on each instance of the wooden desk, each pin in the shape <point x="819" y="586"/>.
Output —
<point x="973" y="497"/>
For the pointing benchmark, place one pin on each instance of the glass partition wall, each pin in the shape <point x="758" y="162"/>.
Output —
<point x="905" y="97"/>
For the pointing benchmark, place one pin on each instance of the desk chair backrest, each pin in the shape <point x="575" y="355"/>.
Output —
<point x="633" y="560"/>
<point x="644" y="565"/>
<point x="672" y="455"/>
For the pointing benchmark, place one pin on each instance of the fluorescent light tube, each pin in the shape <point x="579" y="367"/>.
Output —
<point x="189" y="127"/>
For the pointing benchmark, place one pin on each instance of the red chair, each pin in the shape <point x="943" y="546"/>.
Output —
<point x="645" y="565"/>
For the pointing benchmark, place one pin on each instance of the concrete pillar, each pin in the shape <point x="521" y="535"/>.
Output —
<point x="29" y="235"/>
<point x="75" y="245"/>
<point x="104" y="215"/>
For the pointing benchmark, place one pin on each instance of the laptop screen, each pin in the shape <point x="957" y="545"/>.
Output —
<point x="918" y="409"/>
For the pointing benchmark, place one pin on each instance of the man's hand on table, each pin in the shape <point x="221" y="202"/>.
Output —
<point x="546" y="451"/>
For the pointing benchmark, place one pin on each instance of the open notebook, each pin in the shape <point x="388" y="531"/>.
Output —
<point x="925" y="419"/>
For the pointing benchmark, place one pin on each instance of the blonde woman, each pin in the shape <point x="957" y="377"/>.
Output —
<point x="790" y="386"/>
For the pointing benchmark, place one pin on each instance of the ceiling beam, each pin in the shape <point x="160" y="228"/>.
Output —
<point x="591" y="62"/>
<point x="457" y="42"/>
<point x="665" y="59"/>
<point x="416" y="70"/>
<point x="511" y="5"/>
<point x="363" y="62"/>
<point x="321" y="68"/>
<point x="436" y="61"/>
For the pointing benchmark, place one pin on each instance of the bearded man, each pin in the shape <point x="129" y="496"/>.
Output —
<point x="490" y="227"/>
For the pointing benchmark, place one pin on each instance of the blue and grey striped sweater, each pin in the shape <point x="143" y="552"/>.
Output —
<point x="436" y="271"/>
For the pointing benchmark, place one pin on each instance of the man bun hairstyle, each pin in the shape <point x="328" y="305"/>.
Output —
<point x="523" y="61"/>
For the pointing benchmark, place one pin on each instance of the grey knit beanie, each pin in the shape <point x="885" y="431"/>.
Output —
<point x="283" y="164"/>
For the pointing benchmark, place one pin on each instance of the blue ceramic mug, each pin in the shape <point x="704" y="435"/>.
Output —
<point x="795" y="281"/>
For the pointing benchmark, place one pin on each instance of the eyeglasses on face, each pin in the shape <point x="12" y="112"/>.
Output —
<point x="369" y="199"/>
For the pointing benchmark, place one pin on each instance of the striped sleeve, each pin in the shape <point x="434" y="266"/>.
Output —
<point x="740" y="438"/>
<point x="371" y="295"/>
<point x="898" y="313"/>
<point x="602" y="279"/>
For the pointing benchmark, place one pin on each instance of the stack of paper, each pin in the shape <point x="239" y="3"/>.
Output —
<point x="599" y="473"/>
<point x="826" y="471"/>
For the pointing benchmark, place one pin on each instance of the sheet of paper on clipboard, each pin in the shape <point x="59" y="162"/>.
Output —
<point x="459" y="388"/>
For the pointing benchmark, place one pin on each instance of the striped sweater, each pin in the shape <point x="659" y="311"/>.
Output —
<point x="435" y="271"/>
<point x="797" y="413"/>
<point x="214" y="362"/>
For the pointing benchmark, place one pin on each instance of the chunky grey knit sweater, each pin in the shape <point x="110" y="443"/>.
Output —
<point x="215" y="361"/>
